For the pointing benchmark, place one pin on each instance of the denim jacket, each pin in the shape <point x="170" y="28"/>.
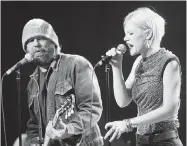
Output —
<point x="72" y="75"/>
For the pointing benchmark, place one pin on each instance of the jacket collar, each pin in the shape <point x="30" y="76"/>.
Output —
<point x="54" y="65"/>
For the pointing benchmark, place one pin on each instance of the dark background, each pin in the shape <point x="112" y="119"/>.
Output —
<point x="88" y="29"/>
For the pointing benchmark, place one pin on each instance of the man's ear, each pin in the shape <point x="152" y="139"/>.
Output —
<point x="149" y="34"/>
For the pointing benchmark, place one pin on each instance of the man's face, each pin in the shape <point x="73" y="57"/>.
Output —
<point x="41" y="49"/>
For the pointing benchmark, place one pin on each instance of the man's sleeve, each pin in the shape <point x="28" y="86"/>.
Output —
<point x="87" y="92"/>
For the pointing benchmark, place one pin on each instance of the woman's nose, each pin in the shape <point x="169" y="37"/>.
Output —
<point x="125" y="38"/>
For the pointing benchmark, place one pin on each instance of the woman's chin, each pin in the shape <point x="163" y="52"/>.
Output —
<point x="133" y="52"/>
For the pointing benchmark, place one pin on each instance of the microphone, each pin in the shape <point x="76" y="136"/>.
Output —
<point x="22" y="62"/>
<point x="105" y="59"/>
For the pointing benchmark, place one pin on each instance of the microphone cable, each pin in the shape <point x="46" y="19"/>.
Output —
<point x="2" y="107"/>
<point x="90" y="126"/>
<point x="91" y="102"/>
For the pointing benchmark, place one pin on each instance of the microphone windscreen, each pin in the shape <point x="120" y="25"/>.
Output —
<point x="122" y="48"/>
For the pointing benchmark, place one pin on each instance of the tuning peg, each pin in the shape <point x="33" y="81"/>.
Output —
<point x="66" y="115"/>
<point x="69" y="114"/>
<point x="72" y="111"/>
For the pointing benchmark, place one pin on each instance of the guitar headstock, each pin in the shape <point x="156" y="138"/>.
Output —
<point x="67" y="105"/>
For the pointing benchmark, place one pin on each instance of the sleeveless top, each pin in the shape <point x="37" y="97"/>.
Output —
<point x="147" y="91"/>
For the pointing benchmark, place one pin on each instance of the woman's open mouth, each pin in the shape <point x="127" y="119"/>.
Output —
<point x="129" y="45"/>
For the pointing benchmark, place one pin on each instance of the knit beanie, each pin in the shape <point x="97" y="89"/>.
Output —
<point x="38" y="27"/>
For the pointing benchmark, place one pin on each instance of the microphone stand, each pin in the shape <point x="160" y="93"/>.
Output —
<point x="19" y="106"/>
<point x="107" y="71"/>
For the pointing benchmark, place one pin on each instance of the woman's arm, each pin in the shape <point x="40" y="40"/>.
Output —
<point x="171" y="93"/>
<point x="171" y="82"/>
<point x="122" y="90"/>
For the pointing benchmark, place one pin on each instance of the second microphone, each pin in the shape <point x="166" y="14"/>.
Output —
<point x="105" y="59"/>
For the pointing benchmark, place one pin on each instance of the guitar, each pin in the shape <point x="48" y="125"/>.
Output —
<point x="67" y="105"/>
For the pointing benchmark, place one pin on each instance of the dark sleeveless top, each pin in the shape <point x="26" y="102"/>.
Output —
<point x="147" y="91"/>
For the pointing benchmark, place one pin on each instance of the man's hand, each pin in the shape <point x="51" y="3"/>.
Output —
<point x="56" y="133"/>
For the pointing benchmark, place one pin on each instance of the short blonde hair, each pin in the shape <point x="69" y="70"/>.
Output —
<point x="145" y="18"/>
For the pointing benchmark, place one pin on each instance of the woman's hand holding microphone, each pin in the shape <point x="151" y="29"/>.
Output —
<point x="117" y="55"/>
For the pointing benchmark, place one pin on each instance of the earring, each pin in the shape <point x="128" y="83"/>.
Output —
<point x="148" y="44"/>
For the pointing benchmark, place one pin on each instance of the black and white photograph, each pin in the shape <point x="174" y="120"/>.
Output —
<point x="93" y="73"/>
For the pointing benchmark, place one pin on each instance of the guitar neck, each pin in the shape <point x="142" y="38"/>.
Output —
<point x="55" y="119"/>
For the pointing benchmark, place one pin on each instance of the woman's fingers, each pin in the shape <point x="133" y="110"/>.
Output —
<point x="109" y="133"/>
<point x="111" y="52"/>
<point x="115" y="130"/>
<point x="119" y="52"/>
<point x="119" y="134"/>
<point x="108" y="125"/>
<point x="115" y="134"/>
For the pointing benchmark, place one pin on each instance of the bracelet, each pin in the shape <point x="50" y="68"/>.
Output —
<point x="129" y="125"/>
<point x="133" y="125"/>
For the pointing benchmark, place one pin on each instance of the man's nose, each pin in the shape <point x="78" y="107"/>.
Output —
<point x="36" y="43"/>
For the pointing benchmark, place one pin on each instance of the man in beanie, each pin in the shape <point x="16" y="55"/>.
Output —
<point x="63" y="93"/>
